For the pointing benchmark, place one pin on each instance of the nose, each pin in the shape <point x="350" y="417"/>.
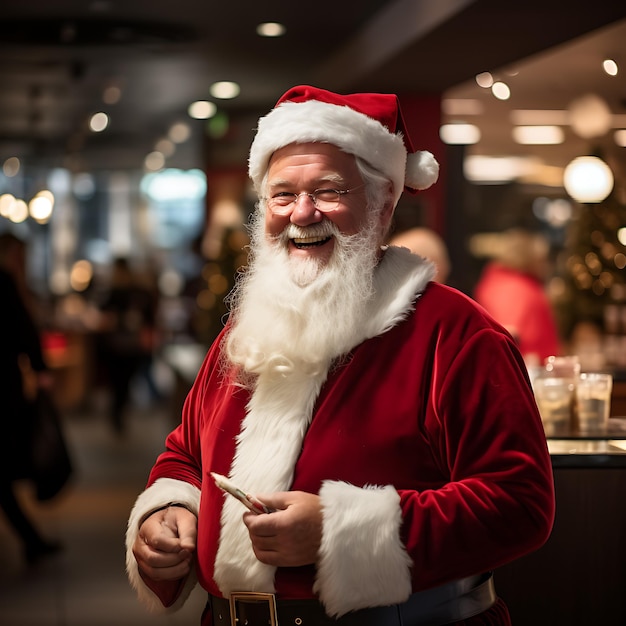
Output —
<point x="304" y="211"/>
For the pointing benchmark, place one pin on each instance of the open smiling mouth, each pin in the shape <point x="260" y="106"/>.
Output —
<point x="309" y="242"/>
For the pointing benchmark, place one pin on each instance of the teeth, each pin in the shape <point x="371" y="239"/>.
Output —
<point x="307" y="240"/>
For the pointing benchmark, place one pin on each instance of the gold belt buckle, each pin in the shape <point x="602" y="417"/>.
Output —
<point x="251" y="597"/>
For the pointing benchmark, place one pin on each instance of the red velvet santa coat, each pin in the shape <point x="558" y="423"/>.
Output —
<point x="424" y="444"/>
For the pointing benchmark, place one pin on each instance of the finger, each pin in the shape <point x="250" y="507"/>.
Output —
<point x="163" y="541"/>
<point x="265" y="525"/>
<point x="187" y="530"/>
<point x="151" y="557"/>
<point x="275" y="501"/>
<point x="172" y="572"/>
<point x="265" y="544"/>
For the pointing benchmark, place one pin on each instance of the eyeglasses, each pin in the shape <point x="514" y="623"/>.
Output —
<point x="324" y="200"/>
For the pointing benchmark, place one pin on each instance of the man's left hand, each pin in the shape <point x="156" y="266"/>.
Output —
<point x="291" y="536"/>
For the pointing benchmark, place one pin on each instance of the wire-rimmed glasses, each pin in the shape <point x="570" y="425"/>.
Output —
<point x="325" y="200"/>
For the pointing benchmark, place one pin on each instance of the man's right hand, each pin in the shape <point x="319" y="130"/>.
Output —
<point x="166" y="544"/>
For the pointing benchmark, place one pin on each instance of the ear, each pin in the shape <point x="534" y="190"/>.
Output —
<point x="386" y="214"/>
<point x="389" y="207"/>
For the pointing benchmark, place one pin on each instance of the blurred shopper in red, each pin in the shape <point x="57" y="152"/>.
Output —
<point x="512" y="289"/>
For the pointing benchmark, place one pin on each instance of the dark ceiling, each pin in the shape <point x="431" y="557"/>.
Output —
<point x="57" y="58"/>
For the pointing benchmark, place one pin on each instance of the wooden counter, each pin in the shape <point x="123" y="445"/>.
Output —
<point x="578" y="578"/>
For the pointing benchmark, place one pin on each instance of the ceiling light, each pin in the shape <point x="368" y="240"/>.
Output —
<point x="6" y="204"/>
<point x="154" y="161"/>
<point x="224" y="90"/>
<point x="484" y="79"/>
<point x="538" y="135"/>
<point x="501" y="90"/>
<point x="588" y="179"/>
<point x="202" y="110"/>
<point x="459" y="134"/>
<point x="485" y="169"/>
<point x="539" y="117"/>
<point x="462" y="106"/>
<point x="590" y="116"/>
<point x="40" y="207"/>
<point x="98" y="122"/>
<point x="19" y="211"/>
<point x="270" y="29"/>
<point x="610" y="67"/>
<point x="166" y="147"/>
<point x="179" y="132"/>
<point x="620" y="138"/>
<point x="11" y="167"/>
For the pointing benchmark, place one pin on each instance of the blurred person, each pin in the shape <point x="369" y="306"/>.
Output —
<point x="128" y="319"/>
<point x="426" y="243"/>
<point x="385" y="421"/>
<point x="22" y="367"/>
<point x="511" y="288"/>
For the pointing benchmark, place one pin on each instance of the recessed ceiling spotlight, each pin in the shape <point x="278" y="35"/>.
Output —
<point x="224" y="90"/>
<point x="11" y="167"/>
<point x="202" y="109"/>
<point x="610" y="67"/>
<point x="484" y="79"/>
<point x="98" y="122"/>
<point x="270" y="29"/>
<point x="501" y="90"/>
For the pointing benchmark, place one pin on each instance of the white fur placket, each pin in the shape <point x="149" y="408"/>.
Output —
<point x="279" y="413"/>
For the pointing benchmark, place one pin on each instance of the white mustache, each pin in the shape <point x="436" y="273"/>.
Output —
<point x="323" y="229"/>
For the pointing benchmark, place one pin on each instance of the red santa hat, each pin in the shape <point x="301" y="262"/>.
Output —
<point x="368" y="125"/>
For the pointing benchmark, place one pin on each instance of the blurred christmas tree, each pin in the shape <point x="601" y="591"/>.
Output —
<point x="591" y="265"/>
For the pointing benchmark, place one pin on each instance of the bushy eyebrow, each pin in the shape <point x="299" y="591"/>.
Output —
<point x="322" y="181"/>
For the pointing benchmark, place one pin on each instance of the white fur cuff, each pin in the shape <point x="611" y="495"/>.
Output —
<point x="161" y="493"/>
<point x="362" y="560"/>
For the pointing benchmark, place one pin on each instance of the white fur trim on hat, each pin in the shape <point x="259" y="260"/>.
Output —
<point x="342" y="126"/>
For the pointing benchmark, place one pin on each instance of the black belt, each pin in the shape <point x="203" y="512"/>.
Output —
<point x="449" y="603"/>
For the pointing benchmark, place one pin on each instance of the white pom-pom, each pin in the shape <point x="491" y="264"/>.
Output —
<point x="422" y="170"/>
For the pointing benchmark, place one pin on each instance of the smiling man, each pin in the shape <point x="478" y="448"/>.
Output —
<point x="385" y="421"/>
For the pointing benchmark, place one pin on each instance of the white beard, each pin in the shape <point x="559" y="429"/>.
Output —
<point x="294" y="315"/>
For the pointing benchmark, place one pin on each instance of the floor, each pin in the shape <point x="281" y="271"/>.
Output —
<point x="85" y="584"/>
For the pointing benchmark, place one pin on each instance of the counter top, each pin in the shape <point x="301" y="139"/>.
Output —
<point x="601" y="448"/>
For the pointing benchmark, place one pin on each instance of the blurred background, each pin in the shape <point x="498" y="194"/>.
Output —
<point x="124" y="132"/>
